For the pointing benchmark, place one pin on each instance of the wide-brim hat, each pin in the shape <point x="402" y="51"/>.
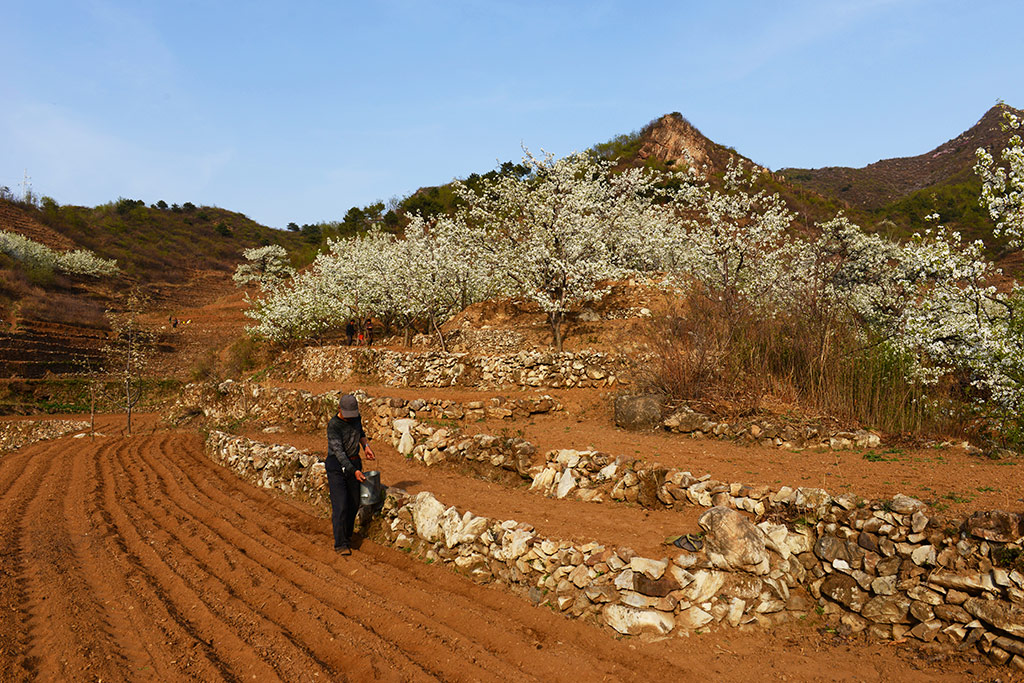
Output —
<point x="348" y="406"/>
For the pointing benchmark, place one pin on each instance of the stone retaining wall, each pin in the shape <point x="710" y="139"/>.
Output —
<point x="437" y="369"/>
<point x="232" y="401"/>
<point x="885" y="567"/>
<point x="16" y="434"/>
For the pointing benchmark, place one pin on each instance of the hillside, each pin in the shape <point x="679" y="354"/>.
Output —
<point x="889" y="180"/>
<point x="52" y="322"/>
<point x="892" y="195"/>
<point x="900" y="191"/>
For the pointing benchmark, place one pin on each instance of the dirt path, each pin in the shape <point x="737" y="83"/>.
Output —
<point x="952" y="481"/>
<point x="139" y="559"/>
<point x="611" y="524"/>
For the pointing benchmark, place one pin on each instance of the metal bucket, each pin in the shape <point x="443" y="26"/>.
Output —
<point x="370" y="490"/>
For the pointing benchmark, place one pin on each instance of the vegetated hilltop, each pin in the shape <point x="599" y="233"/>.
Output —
<point x="903" y="190"/>
<point x="156" y="244"/>
<point x="51" y="322"/>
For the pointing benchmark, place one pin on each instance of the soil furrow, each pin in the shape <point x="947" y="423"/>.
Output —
<point x="71" y="629"/>
<point x="212" y="645"/>
<point x="271" y="576"/>
<point x="23" y="472"/>
<point x="382" y="569"/>
<point x="144" y="630"/>
<point x="194" y="548"/>
<point x="427" y="605"/>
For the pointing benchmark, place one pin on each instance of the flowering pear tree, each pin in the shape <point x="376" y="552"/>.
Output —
<point x="76" y="262"/>
<point x="570" y="224"/>
<point x="1002" y="187"/>
<point x="128" y="351"/>
<point x="266" y="266"/>
<point x="735" y="243"/>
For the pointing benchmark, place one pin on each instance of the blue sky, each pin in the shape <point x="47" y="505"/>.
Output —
<point x="295" y="111"/>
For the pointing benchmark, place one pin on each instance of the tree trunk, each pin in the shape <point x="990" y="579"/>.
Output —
<point x="440" y="336"/>
<point x="128" y="403"/>
<point x="555" y="319"/>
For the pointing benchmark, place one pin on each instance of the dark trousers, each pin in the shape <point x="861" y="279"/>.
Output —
<point x="344" y="506"/>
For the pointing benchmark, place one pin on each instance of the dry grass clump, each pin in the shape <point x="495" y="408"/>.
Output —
<point x="730" y="362"/>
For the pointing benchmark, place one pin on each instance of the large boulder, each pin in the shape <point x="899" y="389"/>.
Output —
<point x="732" y="541"/>
<point x="638" y="412"/>
<point x="427" y="513"/>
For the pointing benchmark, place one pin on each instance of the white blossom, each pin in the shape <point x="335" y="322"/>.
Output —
<point x="266" y="266"/>
<point x="76" y="262"/>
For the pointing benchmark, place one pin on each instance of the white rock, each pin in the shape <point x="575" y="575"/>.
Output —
<point x="514" y="544"/>
<point x="472" y="527"/>
<point x="682" y="577"/>
<point x="736" y="607"/>
<point x="426" y="516"/>
<point x="544" y="480"/>
<point x="923" y="555"/>
<point x="624" y="581"/>
<point x="693" y="618"/>
<point x="634" y="599"/>
<point x="568" y="457"/>
<point x="632" y="621"/>
<point x="775" y="538"/>
<point x="565" y="484"/>
<point x="705" y="585"/>
<point x="652" y="568"/>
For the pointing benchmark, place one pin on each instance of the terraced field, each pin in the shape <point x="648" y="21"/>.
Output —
<point x="139" y="559"/>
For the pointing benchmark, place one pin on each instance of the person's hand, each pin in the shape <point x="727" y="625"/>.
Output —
<point x="368" y="452"/>
<point x="360" y="477"/>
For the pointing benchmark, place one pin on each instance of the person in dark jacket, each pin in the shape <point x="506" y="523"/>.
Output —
<point x="345" y="469"/>
<point x="350" y="332"/>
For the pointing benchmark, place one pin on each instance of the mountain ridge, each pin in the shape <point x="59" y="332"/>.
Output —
<point x="876" y="185"/>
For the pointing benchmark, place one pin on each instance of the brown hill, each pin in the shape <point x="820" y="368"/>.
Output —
<point x="15" y="219"/>
<point x="181" y="257"/>
<point x="670" y="141"/>
<point x="879" y="184"/>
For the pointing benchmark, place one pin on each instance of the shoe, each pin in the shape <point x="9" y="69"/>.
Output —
<point x="689" y="542"/>
<point x="344" y="550"/>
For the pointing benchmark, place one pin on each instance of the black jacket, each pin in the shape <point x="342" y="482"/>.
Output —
<point x="343" y="437"/>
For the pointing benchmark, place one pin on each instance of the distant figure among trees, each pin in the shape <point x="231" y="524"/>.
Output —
<point x="350" y="332"/>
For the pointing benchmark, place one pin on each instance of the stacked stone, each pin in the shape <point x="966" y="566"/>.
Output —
<point x="433" y="445"/>
<point x="897" y="572"/>
<point x="698" y="425"/>
<point x="736" y="583"/>
<point x="882" y="567"/>
<point x="230" y="400"/>
<point x="17" y="434"/>
<point x="477" y="340"/>
<point x="496" y="408"/>
<point x="596" y="476"/>
<point x="271" y="466"/>
<point x="439" y="369"/>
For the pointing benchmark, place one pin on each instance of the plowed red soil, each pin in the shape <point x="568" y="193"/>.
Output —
<point x="137" y="558"/>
